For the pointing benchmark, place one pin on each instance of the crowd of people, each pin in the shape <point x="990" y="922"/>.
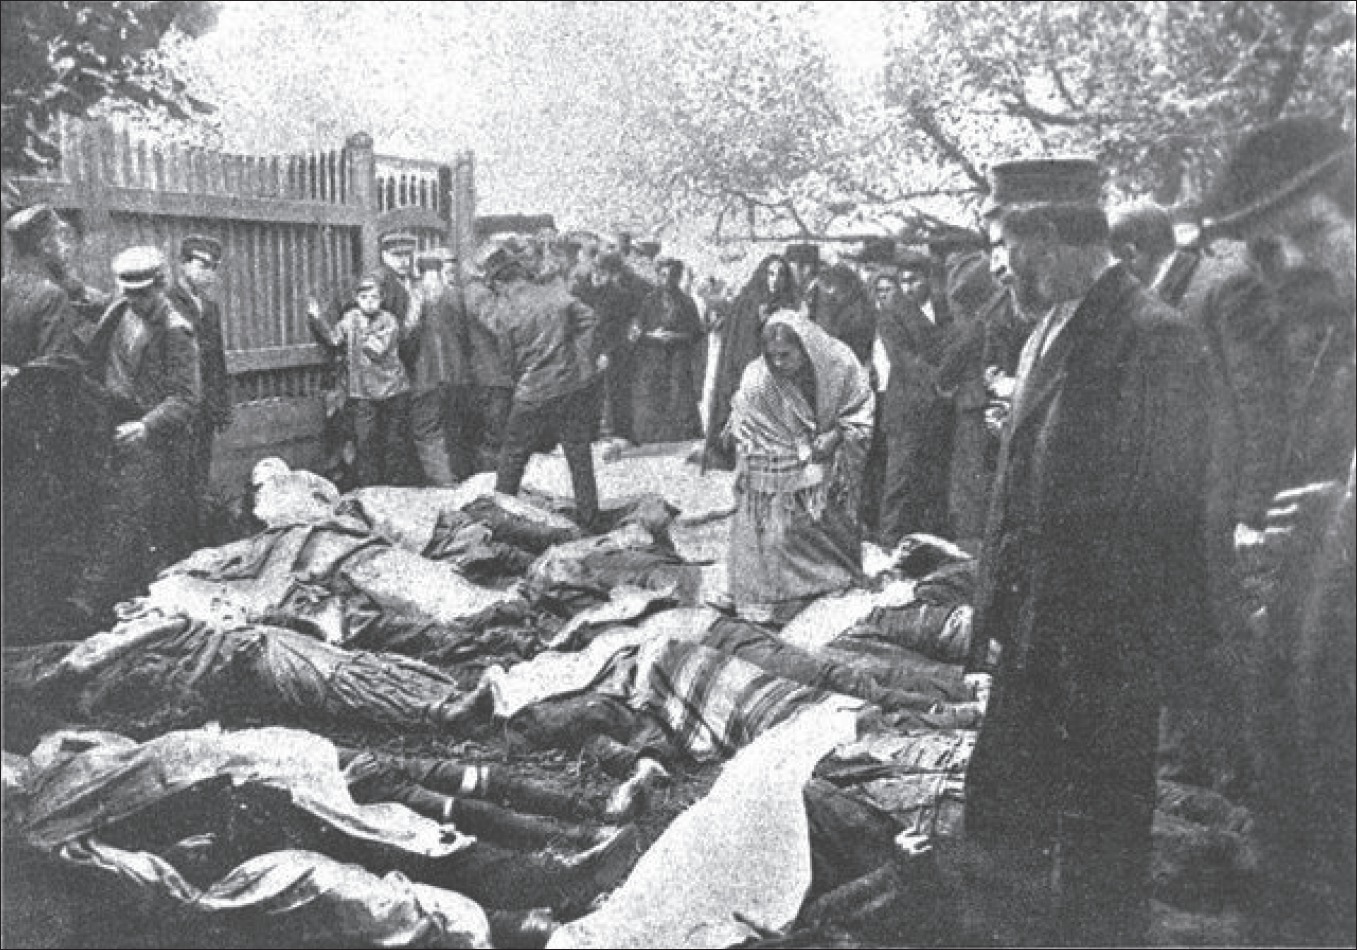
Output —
<point x="1147" y="442"/>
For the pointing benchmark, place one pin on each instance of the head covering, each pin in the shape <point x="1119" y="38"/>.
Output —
<point x="445" y="254"/>
<point x="398" y="242"/>
<point x="648" y="248"/>
<point x="31" y="225"/>
<point x="609" y="263"/>
<point x="907" y="259"/>
<point x="802" y="254"/>
<point x="200" y="247"/>
<point x="879" y="251"/>
<point x="1274" y="164"/>
<point x="368" y="282"/>
<point x="837" y="370"/>
<point x="673" y="262"/>
<point x="139" y="267"/>
<point x="970" y="285"/>
<point x="1045" y="181"/>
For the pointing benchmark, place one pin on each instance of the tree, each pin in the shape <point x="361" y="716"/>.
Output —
<point x="1157" y="91"/>
<point x="68" y="57"/>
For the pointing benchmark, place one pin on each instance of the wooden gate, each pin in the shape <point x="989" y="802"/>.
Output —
<point x="291" y="226"/>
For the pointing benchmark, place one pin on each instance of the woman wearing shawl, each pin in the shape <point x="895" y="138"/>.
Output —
<point x="666" y="387"/>
<point x="801" y="424"/>
<point x="770" y="289"/>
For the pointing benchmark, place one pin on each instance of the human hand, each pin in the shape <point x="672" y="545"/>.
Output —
<point x="1296" y="509"/>
<point x="633" y="333"/>
<point x="602" y="362"/>
<point x="825" y="445"/>
<point x="313" y="308"/>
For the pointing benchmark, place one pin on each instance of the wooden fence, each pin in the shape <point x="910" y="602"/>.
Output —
<point x="291" y="226"/>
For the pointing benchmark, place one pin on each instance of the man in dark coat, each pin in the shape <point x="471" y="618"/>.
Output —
<point x="36" y="314"/>
<point x="53" y="430"/>
<point x="550" y="343"/>
<point x="145" y="354"/>
<point x="192" y="297"/>
<point x="1289" y="187"/>
<point x="915" y="419"/>
<point x="615" y="293"/>
<point x="1090" y="577"/>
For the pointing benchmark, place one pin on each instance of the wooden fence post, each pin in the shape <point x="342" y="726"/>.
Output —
<point x="95" y="142"/>
<point x="362" y="176"/>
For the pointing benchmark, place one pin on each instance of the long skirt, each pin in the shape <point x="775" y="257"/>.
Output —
<point x="782" y="554"/>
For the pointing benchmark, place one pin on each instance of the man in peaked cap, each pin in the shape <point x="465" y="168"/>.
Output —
<point x="1289" y="188"/>
<point x="145" y="354"/>
<point x="193" y="295"/>
<point x="1090" y="569"/>
<point x="38" y="320"/>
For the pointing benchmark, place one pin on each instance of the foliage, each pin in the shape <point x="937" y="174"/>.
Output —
<point x="68" y="57"/>
<point x="1154" y="90"/>
<point x="1157" y="91"/>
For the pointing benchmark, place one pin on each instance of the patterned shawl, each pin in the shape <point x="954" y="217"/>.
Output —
<point x="773" y="424"/>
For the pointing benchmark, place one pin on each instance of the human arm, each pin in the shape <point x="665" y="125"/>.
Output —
<point x="331" y="337"/>
<point x="182" y="388"/>
<point x="381" y="334"/>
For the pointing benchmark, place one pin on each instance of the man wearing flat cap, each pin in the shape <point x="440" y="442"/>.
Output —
<point x="1090" y="574"/>
<point x="193" y="295"/>
<point x="1289" y="189"/>
<point x="145" y="354"/>
<point x="36" y="314"/>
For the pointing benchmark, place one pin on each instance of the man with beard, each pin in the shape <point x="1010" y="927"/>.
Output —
<point x="1090" y="576"/>
<point x="1288" y="190"/>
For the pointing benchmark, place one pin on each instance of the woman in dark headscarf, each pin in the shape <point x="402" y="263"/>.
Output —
<point x="665" y="390"/>
<point x="845" y="311"/>
<point x="770" y="289"/>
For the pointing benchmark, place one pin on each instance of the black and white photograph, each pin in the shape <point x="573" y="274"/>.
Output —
<point x="566" y="474"/>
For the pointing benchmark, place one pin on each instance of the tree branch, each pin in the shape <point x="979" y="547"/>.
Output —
<point x="1053" y="67"/>
<point x="1020" y="108"/>
<point x="929" y="125"/>
<point x="1284" y="83"/>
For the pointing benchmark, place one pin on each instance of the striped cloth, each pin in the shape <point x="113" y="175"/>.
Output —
<point x="713" y="703"/>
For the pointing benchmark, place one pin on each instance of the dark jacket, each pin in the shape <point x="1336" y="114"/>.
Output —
<point x="441" y="339"/>
<point x="914" y="346"/>
<point x="915" y="424"/>
<point x="1092" y="572"/>
<point x="165" y="382"/>
<point x="36" y="315"/>
<point x="205" y="317"/>
<point x="547" y="337"/>
<point x="489" y="363"/>
<point x="844" y="309"/>
<point x="1230" y="306"/>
